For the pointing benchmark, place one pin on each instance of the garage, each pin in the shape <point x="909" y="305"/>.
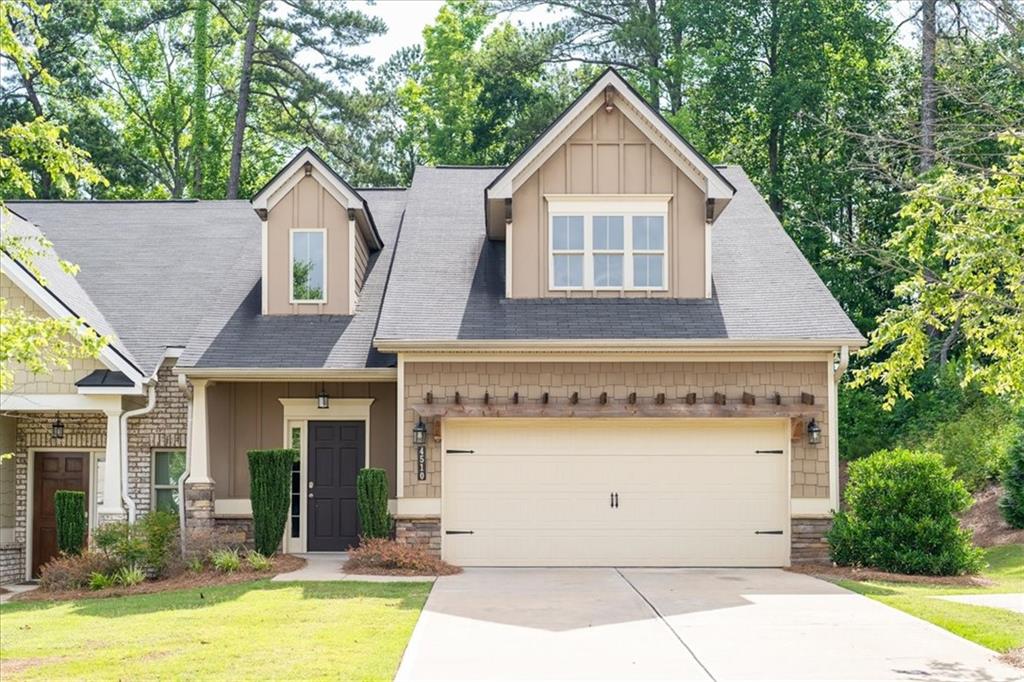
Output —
<point x="616" y="492"/>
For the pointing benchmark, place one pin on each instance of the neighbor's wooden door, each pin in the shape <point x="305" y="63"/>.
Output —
<point x="53" y="471"/>
<point x="337" y="451"/>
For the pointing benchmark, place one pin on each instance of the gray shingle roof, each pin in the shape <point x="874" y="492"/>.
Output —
<point x="447" y="280"/>
<point x="234" y="333"/>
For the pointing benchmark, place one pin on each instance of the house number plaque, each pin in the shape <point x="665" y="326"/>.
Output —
<point x="421" y="462"/>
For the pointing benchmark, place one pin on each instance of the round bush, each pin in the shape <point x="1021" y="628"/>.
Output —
<point x="1012" y="502"/>
<point x="902" y="517"/>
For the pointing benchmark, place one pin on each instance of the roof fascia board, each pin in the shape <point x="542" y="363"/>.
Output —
<point x="616" y="346"/>
<point x="56" y="308"/>
<point x="136" y="389"/>
<point x="288" y="374"/>
<point x="63" y="402"/>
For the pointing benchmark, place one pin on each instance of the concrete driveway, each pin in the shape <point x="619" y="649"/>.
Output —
<point x="691" y="624"/>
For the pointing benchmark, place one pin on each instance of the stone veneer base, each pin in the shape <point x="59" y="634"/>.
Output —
<point x="808" y="544"/>
<point x="424" y="532"/>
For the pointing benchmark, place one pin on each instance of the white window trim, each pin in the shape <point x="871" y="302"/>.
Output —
<point x="595" y="205"/>
<point x="153" y="485"/>
<point x="291" y="266"/>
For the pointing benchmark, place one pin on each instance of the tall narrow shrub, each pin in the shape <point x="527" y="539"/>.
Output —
<point x="71" y="520"/>
<point x="372" y="500"/>
<point x="270" y="474"/>
<point x="1012" y="502"/>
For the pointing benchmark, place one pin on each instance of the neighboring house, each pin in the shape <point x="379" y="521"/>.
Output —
<point x="611" y="351"/>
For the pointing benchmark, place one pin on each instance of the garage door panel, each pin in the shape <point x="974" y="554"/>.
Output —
<point x="689" y="493"/>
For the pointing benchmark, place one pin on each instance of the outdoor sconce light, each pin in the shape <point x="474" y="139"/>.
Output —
<point x="419" y="433"/>
<point x="813" y="432"/>
<point x="323" y="401"/>
<point x="57" y="429"/>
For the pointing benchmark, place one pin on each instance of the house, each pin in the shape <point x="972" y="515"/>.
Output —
<point x="607" y="353"/>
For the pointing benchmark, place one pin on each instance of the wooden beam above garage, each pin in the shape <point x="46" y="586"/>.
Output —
<point x="612" y="409"/>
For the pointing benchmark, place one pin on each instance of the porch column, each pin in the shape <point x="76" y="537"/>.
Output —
<point x="111" y="509"/>
<point x="199" y="445"/>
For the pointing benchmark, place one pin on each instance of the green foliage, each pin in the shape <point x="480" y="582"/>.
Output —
<point x="902" y="517"/>
<point x="226" y="560"/>
<point x="258" y="562"/>
<point x="121" y="542"/>
<point x="159" y="530"/>
<point x="72" y="523"/>
<point x="99" y="581"/>
<point x="1012" y="502"/>
<point x="127" y="576"/>
<point x="195" y="564"/>
<point x="372" y="501"/>
<point x="270" y="475"/>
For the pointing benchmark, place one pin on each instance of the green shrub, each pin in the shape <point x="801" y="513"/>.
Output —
<point x="258" y="562"/>
<point x="159" y="530"/>
<point x="270" y="474"/>
<point x="977" y="442"/>
<point x="372" y="502"/>
<point x="128" y="576"/>
<point x="195" y="564"/>
<point x="1012" y="502"/>
<point x="100" y="581"/>
<point x="902" y="509"/>
<point x="72" y="522"/>
<point x="226" y="560"/>
<point x="121" y="542"/>
<point x="74" y="571"/>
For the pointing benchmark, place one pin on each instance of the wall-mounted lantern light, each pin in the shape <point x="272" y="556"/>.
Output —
<point x="57" y="428"/>
<point x="813" y="432"/>
<point x="323" y="401"/>
<point x="419" y="433"/>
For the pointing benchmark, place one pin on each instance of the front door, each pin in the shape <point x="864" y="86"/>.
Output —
<point x="53" y="471"/>
<point x="337" y="451"/>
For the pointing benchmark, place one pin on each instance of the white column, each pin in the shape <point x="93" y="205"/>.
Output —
<point x="112" y="466"/>
<point x="199" y="446"/>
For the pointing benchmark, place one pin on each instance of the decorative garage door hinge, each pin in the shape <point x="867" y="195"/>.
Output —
<point x="767" y="532"/>
<point x="460" y="532"/>
<point x="459" y="452"/>
<point x="767" y="452"/>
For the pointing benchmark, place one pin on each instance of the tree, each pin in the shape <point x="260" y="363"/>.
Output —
<point x="200" y="65"/>
<point x="928" y="96"/>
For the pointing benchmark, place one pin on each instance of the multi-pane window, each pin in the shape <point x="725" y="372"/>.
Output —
<point x="605" y="250"/>
<point x="168" y="466"/>
<point x="309" y="266"/>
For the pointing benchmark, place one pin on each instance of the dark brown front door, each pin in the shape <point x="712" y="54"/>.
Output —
<point x="337" y="451"/>
<point x="53" y="471"/>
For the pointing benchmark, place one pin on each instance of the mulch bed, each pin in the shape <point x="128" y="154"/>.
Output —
<point x="209" y="577"/>
<point x="1014" y="657"/>
<point x="446" y="569"/>
<point x="834" y="573"/>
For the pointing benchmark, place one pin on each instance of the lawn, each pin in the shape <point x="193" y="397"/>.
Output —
<point x="338" y="630"/>
<point x="996" y="629"/>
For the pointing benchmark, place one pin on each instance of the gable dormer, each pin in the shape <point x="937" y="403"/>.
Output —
<point x="610" y="201"/>
<point x="318" y="234"/>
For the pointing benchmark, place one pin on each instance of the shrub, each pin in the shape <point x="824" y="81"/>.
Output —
<point x="195" y="564"/>
<point x="377" y="555"/>
<point x="74" y="571"/>
<point x="122" y="542"/>
<point x="372" y="502"/>
<point x="902" y="509"/>
<point x="226" y="560"/>
<point x="128" y="576"/>
<point x="159" y="530"/>
<point x="100" y="581"/>
<point x="1012" y="502"/>
<point x="72" y="522"/>
<point x="270" y="472"/>
<point x="976" y="442"/>
<point x="258" y="562"/>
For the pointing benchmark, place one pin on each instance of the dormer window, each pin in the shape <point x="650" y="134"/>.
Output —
<point x="309" y="266"/>
<point x="608" y="244"/>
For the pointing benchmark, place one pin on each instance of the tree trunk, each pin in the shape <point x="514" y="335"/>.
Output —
<point x="200" y="60"/>
<point x="775" y="117"/>
<point x="245" y="79"/>
<point x="928" y="99"/>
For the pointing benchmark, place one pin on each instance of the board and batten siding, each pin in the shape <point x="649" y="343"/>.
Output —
<point x="608" y="155"/>
<point x="247" y="416"/>
<point x="360" y="261"/>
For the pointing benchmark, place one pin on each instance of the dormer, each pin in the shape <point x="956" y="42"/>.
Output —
<point x="610" y="201"/>
<point x="318" y="234"/>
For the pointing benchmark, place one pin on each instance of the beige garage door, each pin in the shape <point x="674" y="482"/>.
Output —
<point x="625" y="492"/>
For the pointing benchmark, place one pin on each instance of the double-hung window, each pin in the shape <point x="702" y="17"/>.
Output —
<point x="168" y="466"/>
<point x="309" y="266"/>
<point x="608" y="245"/>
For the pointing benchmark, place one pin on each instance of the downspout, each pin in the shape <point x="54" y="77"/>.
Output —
<point x="183" y="384"/>
<point x="150" y="404"/>
<point x="844" y="362"/>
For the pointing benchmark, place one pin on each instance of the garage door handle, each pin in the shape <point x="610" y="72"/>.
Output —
<point x="767" y="532"/>
<point x="767" y="452"/>
<point x="458" y="532"/>
<point x="470" y="452"/>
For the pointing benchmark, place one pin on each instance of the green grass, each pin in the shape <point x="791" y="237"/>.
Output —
<point x="338" y="630"/>
<point x="996" y="629"/>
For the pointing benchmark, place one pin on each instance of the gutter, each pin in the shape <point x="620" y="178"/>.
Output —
<point x="288" y="374"/>
<point x="617" y="345"/>
<point x="150" y="404"/>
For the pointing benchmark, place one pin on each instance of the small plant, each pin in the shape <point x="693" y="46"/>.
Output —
<point x="121" y="542"/>
<point x="159" y="531"/>
<point x="195" y="564"/>
<point x="72" y="522"/>
<point x="73" y="572"/>
<point x="100" y="581"/>
<point x="377" y="555"/>
<point x="372" y="502"/>
<point x="226" y="560"/>
<point x="128" y="576"/>
<point x="258" y="562"/>
<point x="270" y="473"/>
<point x="1012" y="502"/>
<point x="902" y="516"/>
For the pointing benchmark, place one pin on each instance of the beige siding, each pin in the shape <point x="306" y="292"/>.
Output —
<point x="309" y="206"/>
<point x="809" y="478"/>
<point x="361" y="258"/>
<point x="608" y="155"/>
<point x="58" y="381"/>
<point x="8" y="438"/>
<point x="248" y="416"/>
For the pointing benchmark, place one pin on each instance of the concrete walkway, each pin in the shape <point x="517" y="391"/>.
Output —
<point x="16" y="589"/>
<point x="1010" y="602"/>
<point x="327" y="567"/>
<point x="692" y="624"/>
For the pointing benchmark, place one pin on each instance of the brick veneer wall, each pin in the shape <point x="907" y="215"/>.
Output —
<point x="165" y="428"/>
<point x="12" y="563"/>
<point x="674" y="379"/>
<point x="807" y="541"/>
